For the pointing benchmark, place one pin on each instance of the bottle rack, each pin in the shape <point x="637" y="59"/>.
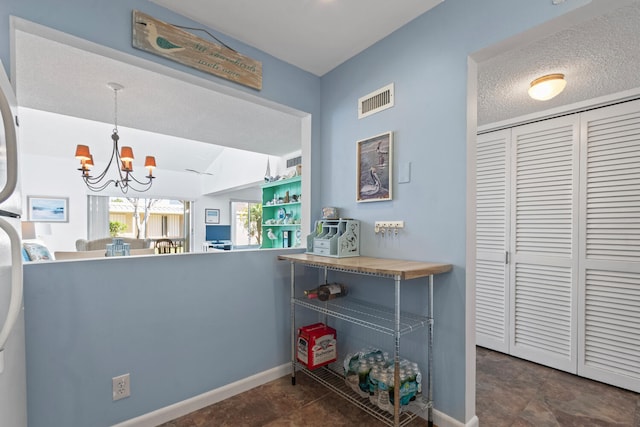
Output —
<point x="335" y="238"/>
<point x="391" y="321"/>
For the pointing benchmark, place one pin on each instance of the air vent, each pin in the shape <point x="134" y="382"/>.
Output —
<point x="295" y="161"/>
<point x="376" y="101"/>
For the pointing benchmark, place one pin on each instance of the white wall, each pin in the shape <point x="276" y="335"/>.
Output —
<point x="222" y="202"/>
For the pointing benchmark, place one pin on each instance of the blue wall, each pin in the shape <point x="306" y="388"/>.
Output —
<point x="181" y="325"/>
<point x="427" y="62"/>
<point x="77" y="317"/>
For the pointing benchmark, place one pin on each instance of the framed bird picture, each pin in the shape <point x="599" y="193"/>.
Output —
<point x="374" y="169"/>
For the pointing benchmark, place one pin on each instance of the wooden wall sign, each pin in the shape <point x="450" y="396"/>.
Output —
<point x="164" y="39"/>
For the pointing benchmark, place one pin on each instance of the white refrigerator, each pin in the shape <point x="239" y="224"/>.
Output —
<point x="13" y="383"/>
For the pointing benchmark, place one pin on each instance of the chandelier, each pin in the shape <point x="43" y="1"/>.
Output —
<point x="122" y="160"/>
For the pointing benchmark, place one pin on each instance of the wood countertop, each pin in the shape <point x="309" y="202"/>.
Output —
<point x="362" y="264"/>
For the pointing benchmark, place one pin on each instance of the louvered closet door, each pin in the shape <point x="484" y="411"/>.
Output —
<point x="609" y="334"/>
<point x="492" y="213"/>
<point x="543" y="268"/>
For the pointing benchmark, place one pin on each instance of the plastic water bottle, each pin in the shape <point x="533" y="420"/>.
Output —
<point x="407" y="388"/>
<point x="417" y="377"/>
<point x="363" y="375"/>
<point x="390" y="389"/>
<point x="384" y="380"/>
<point x="379" y="360"/>
<point x="373" y="382"/>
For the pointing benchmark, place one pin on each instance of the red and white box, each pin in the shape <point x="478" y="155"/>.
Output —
<point x="317" y="345"/>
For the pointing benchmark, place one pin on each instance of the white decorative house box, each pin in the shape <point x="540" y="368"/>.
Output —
<point x="335" y="238"/>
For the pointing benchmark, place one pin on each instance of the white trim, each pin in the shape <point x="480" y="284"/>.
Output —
<point x="563" y="110"/>
<point x="187" y="406"/>
<point x="443" y="420"/>
<point x="306" y="135"/>
<point x="470" y="253"/>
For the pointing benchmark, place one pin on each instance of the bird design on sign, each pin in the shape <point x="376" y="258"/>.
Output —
<point x="157" y="42"/>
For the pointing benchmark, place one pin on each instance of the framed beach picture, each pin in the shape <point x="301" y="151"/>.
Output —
<point x="212" y="216"/>
<point x="374" y="169"/>
<point x="48" y="209"/>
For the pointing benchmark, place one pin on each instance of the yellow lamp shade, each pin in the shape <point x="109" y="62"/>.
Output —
<point x="546" y="87"/>
<point x="82" y="152"/>
<point x="126" y="154"/>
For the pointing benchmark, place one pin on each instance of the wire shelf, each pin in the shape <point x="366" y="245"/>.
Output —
<point x="330" y="378"/>
<point x="351" y="270"/>
<point x="372" y="316"/>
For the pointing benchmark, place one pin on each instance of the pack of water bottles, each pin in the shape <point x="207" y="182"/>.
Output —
<point x="370" y="373"/>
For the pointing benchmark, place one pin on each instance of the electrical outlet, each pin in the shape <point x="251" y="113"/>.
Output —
<point x="121" y="387"/>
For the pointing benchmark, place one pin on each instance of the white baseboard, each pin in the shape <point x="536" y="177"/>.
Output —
<point x="187" y="406"/>
<point x="443" y="420"/>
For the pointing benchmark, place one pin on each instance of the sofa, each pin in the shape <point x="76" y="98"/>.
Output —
<point x="93" y="245"/>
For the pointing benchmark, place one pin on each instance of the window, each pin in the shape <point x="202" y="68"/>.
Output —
<point x="246" y="218"/>
<point x="139" y="218"/>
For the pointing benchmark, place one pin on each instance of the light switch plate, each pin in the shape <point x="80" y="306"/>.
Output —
<point x="404" y="174"/>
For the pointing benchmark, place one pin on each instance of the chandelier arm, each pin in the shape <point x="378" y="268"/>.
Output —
<point x="147" y="182"/>
<point x="97" y="179"/>
<point x="144" y="185"/>
<point x="97" y="188"/>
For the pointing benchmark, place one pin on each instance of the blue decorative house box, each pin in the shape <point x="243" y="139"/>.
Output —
<point x="335" y="238"/>
<point x="118" y="248"/>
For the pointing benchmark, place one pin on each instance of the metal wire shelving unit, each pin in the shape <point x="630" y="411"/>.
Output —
<point x="379" y="318"/>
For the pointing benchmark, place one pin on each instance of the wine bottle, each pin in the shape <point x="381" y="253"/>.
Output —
<point x="327" y="291"/>
<point x="311" y="293"/>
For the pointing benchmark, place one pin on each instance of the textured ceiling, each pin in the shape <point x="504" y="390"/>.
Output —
<point x="598" y="57"/>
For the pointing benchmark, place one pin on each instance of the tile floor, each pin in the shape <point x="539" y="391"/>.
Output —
<point x="510" y="392"/>
<point x="517" y="393"/>
<point x="279" y="404"/>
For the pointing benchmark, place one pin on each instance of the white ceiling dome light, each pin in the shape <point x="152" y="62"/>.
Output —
<point x="546" y="87"/>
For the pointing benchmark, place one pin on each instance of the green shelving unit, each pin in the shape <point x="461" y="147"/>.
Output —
<point x="281" y="213"/>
